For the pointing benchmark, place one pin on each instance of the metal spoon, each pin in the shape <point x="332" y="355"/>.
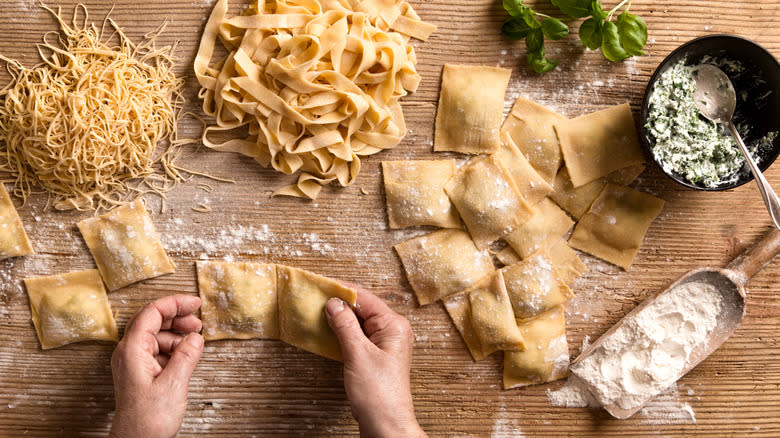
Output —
<point x="715" y="99"/>
<point x="729" y="282"/>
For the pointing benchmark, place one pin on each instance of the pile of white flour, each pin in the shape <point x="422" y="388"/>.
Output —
<point x="646" y="355"/>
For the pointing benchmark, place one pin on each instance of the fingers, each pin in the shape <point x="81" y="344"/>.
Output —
<point x="370" y="305"/>
<point x="185" y="324"/>
<point x="167" y="341"/>
<point x="345" y="325"/>
<point x="151" y="318"/>
<point x="182" y="361"/>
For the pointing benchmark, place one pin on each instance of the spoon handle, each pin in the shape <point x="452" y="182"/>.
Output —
<point x="771" y="200"/>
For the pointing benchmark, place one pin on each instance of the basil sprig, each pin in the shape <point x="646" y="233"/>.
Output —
<point x="618" y="39"/>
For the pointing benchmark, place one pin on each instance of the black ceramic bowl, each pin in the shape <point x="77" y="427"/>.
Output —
<point x="761" y="76"/>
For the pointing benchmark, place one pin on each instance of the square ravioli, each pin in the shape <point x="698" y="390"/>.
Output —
<point x="535" y="285"/>
<point x="442" y="263"/>
<point x="239" y="300"/>
<point x="125" y="245"/>
<point x="458" y="306"/>
<point x="546" y="357"/>
<point x="415" y="193"/>
<point x="13" y="238"/>
<point x="487" y="200"/>
<point x="577" y="200"/>
<point x="598" y="143"/>
<point x="615" y="225"/>
<point x="531" y="185"/>
<point x="70" y="308"/>
<point x="302" y="297"/>
<point x="492" y="316"/>
<point x="530" y="126"/>
<point x="565" y="260"/>
<point x="546" y="227"/>
<point x="471" y="107"/>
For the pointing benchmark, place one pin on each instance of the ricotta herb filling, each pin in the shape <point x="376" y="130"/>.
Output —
<point x="696" y="148"/>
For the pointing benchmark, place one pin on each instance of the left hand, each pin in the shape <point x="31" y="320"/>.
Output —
<point x="152" y="366"/>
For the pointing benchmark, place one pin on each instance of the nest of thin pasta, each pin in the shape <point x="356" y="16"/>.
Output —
<point x="84" y="125"/>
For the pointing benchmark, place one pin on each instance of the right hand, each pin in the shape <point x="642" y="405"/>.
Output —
<point x="377" y="363"/>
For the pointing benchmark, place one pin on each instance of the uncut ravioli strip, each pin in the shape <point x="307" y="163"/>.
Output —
<point x="487" y="200"/>
<point x="471" y="106"/>
<point x="546" y="357"/>
<point x="535" y="285"/>
<point x="13" y="238"/>
<point x="530" y="126"/>
<point x="239" y="300"/>
<point x="546" y="227"/>
<point x="615" y="225"/>
<point x="70" y="308"/>
<point x="302" y="298"/>
<point x="442" y="263"/>
<point x="599" y="143"/>
<point x="483" y="315"/>
<point x="415" y="193"/>
<point x="125" y="246"/>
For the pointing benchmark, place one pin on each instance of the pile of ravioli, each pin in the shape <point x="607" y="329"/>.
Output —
<point x="240" y="300"/>
<point x="528" y="182"/>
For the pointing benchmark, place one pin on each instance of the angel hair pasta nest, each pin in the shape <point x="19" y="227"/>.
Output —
<point x="83" y="125"/>
<point x="315" y="83"/>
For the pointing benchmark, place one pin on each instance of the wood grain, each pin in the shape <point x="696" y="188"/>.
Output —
<point x="266" y="388"/>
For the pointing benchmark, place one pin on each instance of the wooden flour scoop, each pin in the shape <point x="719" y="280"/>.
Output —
<point x="730" y="282"/>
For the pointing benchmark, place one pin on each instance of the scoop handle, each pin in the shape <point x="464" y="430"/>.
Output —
<point x="747" y="264"/>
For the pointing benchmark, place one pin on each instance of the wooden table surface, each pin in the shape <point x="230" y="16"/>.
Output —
<point x="267" y="388"/>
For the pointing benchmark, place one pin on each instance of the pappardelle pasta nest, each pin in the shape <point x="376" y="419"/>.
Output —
<point x="84" y="124"/>
<point x="315" y="83"/>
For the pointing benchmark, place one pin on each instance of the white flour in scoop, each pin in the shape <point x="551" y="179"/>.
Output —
<point x="646" y="355"/>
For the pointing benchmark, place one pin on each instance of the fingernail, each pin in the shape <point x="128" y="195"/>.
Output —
<point x="195" y="340"/>
<point x="334" y="306"/>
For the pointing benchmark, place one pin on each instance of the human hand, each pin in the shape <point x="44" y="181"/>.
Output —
<point x="152" y="366"/>
<point x="376" y="365"/>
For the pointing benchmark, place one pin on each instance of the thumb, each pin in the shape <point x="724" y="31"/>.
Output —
<point x="345" y="325"/>
<point x="183" y="360"/>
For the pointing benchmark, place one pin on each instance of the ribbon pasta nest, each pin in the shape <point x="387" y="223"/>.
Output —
<point x="84" y="124"/>
<point x="315" y="83"/>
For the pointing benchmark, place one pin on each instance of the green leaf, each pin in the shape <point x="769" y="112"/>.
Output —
<point x="573" y="8"/>
<point x="530" y="18"/>
<point x="610" y="44"/>
<point x="590" y="33"/>
<point x="633" y="33"/>
<point x="554" y="28"/>
<point x="535" y="40"/>
<point x="515" y="29"/>
<point x="540" y="63"/>
<point x="596" y="11"/>
<point x="514" y="7"/>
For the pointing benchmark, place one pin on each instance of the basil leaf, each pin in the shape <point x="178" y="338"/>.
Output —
<point x="535" y="40"/>
<point x="514" y="7"/>
<point x="610" y="44"/>
<point x="573" y="8"/>
<point x="590" y="33"/>
<point x="529" y="16"/>
<point x="554" y="28"/>
<point x="514" y="29"/>
<point x="540" y="63"/>
<point x="633" y="33"/>
<point x="596" y="11"/>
